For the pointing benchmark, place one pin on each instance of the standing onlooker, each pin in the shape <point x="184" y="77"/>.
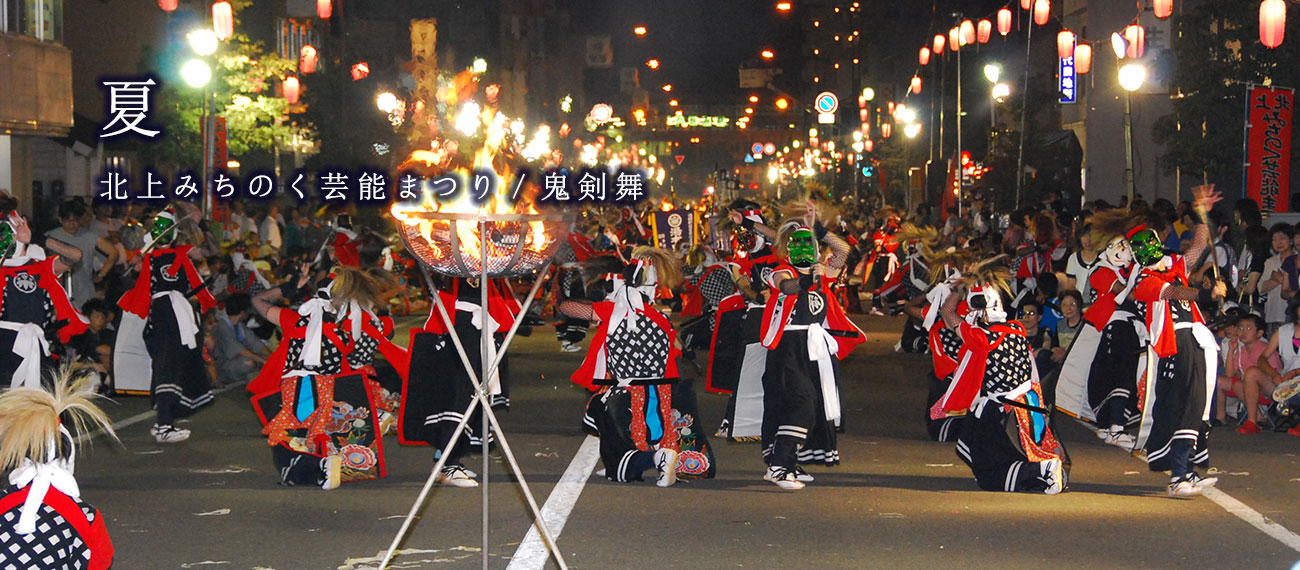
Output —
<point x="72" y="233"/>
<point x="270" y="229"/>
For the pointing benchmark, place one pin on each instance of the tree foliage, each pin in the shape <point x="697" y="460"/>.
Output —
<point x="1219" y="54"/>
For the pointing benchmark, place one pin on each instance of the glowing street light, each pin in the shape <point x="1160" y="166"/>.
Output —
<point x="639" y="30"/>
<point x="479" y="66"/>
<point x="782" y="103"/>
<point x="386" y="102"/>
<point x="992" y="72"/>
<point x="203" y="41"/>
<point x="652" y="64"/>
<point x="668" y="88"/>
<point x="753" y="98"/>
<point x="911" y="130"/>
<point x="1001" y="91"/>
<point x="783" y="7"/>
<point x="767" y="54"/>
<point x="868" y="94"/>
<point x="1131" y="77"/>
<point x="196" y="73"/>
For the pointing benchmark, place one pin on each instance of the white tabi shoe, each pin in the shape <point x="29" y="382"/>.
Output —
<point x="1202" y="483"/>
<point x="1183" y="487"/>
<point x="456" y="476"/>
<point x="333" y="466"/>
<point x="169" y="434"/>
<point x="1115" y="436"/>
<point x="783" y="478"/>
<point x="1054" y="476"/>
<point x="666" y="463"/>
<point x="802" y="476"/>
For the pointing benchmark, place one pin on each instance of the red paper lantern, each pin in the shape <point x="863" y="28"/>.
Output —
<point x="1026" y="4"/>
<point x="223" y="19"/>
<point x="924" y="57"/>
<point x="168" y="5"/>
<point x="863" y="114"/>
<point x="967" y="31"/>
<point x="916" y="84"/>
<point x="938" y="44"/>
<point x="983" y="30"/>
<point x="868" y="145"/>
<point x="954" y="39"/>
<point x="886" y="129"/>
<point x="1136" y="36"/>
<point x="1162" y="8"/>
<point x="1064" y="44"/>
<point x="1272" y="22"/>
<point x="324" y="9"/>
<point x="1042" y="12"/>
<point x="291" y="89"/>
<point x="1082" y="58"/>
<point x="307" y="60"/>
<point x="1004" y="21"/>
<point x="360" y="71"/>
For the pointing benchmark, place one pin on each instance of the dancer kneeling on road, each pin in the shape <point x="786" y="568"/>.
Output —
<point x="997" y="386"/>
<point x="632" y="366"/>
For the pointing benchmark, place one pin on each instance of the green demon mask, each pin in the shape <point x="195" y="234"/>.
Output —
<point x="1147" y="249"/>
<point x="8" y="240"/>
<point x="802" y="248"/>
<point x="164" y="226"/>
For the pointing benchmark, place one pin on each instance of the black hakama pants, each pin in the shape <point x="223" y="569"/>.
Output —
<point x="180" y="383"/>
<point x="795" y="428"/>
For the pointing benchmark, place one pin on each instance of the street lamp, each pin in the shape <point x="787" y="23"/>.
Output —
<point x="767" y="54"/>
<point x="1131" y="77"/>
<point x="203" y="41"/>
<point x="911" y="130"/>
<point x="196" y="73"/>
<point x="639" y="30"/>
<point x="1001" y="91"/>
<point x="387" y="102"/>
<point x="992" y="72"/>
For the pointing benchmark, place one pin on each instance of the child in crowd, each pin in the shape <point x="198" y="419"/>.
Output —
<point x="1243" y="377"/>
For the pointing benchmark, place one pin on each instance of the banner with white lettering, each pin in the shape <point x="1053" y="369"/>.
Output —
<point x="1268" y="147"/>
<point x="673" y="228"/>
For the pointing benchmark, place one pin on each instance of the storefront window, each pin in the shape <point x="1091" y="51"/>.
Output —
<point x="40" y="19"/>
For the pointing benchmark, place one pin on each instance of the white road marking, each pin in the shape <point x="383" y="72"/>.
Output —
<point x="1252" y="517"/>
<point x="532" y="553"/>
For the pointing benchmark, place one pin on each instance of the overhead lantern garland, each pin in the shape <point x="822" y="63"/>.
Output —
<point x="1272" y="22"/>
<point x="1026" y="4"/>
<point x="168" y="5"/>
<point x="967" y="32"/>
<point x="1042" y="12"/>
<point x="983" y="30"/>
<point x="1065" y="44"/>
<point x="916" y="85"/>
<point x="291" y="89"/>
<point x="307" y="59"/>
<point x="954" y="39"/>
<point x="938" y="44"/>
<point x="1082" y="59"/>
<point x="223" y="20"/>
<point x="924" y="56"/>
<point x="324" y="9"/>
<point x="1136" y="37"/>
<point x="1162" y="8"/>
<point x="1004" y="21"/>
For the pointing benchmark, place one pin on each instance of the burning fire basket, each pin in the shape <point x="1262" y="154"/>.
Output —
<point x="451" y="243"/>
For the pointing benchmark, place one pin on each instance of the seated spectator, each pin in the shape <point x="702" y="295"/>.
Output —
<point x="1280" y="360"/>
<point x="1244" y="376"/>
<point x="95" y="346"/>
<point x="1071" y="321"/>
<point x="237" y="354"/>
<point x="1041" y="340"/>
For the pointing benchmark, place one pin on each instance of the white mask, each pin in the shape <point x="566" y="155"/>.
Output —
<point x="1118" y="252"/>
<point x="990" y="300"/>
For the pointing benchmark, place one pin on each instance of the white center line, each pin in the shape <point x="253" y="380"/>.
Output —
<point x="1254" y="518"/>
<point x="532" y="553"/>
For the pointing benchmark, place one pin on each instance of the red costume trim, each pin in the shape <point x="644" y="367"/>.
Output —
<point x="585" y="376"/>
<point x="975" y="343"/>
<point x="137" y="300"/>
<point x="94" y="535"/>
<point x="63" y="309"/>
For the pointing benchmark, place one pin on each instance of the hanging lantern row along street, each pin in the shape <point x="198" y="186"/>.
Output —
<point x="1004" y="21"/>
<point x="360" y="71"/>
<point x="967" y="32"/>
<point x="168" y="5"/>
<point x="954" y="39"/>
<point x="291" y="89"/>
<point x="223" y="20"/>
<point x="324" y="9"/>
<point x="938" y="44"/>
<point x="924" y="56"/>
<point x="1042" y="12"/>
<point x="916" y="85"/>
<point x="1082" y="59"/>
<point x="307" y="59"/>
<point x="983" y="30"/>
<point x="1136" y="36"/>
<point x="1065" y="44"/>
<point x="1272" y="22"/>
<point x="1162" y="8"/>
<point x="863" y="114"/>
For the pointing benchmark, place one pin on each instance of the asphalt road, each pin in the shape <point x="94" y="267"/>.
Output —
<point x="897" y="501"/>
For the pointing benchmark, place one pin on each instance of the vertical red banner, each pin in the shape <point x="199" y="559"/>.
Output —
<point x="1268" y="147"/>
<point x="221" y="152"/>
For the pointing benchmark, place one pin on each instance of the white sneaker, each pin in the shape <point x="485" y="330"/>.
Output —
<point x="1184" y="487"/>
<point x="570" y="347"/>
<point x="600" y="472"/>
<point x="783" y="478"/>
<point x="456" y="476"/>
<point x="1115" y="436"/>
<point x="169" y="434"/>
<point x="1202" y="483"/>
<point x="666" y="463"/>
<point x="801" y="475"/>
<point x="333" y="466"/>
<point x="1054" y="476"/>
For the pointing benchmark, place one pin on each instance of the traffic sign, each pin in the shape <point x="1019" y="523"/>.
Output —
<point x="826" y="102"/>
<point x="757" y="148"/>
<point x="825" y="118"/>
<point x="680" y="158"/>
<point x="768" y="149"/>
